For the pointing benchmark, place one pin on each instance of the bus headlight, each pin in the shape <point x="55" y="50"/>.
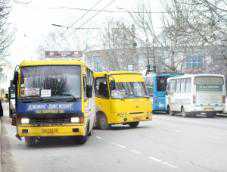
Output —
<point x="75" y="119"/>
<point x="25" y="120"/>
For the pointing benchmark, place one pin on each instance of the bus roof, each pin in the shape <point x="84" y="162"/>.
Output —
<point x="51" y="61"/>
<point x="168" y="74"/>
<point x="100" y="74"/>
<point x="195" y="75"/>
<point x="122" y="76"/>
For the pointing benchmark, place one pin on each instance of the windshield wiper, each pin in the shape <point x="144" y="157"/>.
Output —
<point x="28" y="99"/>
<point x="69" y="96"/>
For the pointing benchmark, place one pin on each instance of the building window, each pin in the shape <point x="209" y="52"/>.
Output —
<point x="194" y="61"/>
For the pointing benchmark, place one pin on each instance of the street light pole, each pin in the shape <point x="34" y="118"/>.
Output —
<point x="76" y="28"/>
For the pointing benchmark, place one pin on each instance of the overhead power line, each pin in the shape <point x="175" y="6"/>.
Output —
<point x="22" y="2"/>
<point x="107" y="11"/>
<point x="76" y="28"/>
<point x="97" y="12"/>
<point x="86" y="12"/>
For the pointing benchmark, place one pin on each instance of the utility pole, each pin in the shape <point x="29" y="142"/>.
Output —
<point x="148" y="57"/>
<point x="154" y="58"/>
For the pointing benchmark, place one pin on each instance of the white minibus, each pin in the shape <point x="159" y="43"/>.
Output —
<point x="195" y="94"/>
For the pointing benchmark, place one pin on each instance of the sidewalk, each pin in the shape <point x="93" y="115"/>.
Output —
<point x="1" y="133"/>
<point x="0" y="144"/>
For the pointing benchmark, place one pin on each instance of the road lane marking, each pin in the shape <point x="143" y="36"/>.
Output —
<point x="135" y="151"/>
<point x="155" y="159"/>
<point x="162" y="162"/>
<point x="120" y="146"/>
<point x="98" y="137"/>
<point x="169" y="164"/>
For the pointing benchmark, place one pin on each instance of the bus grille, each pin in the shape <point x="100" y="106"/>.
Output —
<point x="47" y="121"/>
<point x="135" y="113"/>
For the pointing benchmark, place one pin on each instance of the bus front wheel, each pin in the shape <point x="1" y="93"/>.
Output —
<point x="133" y="124"/>
<point x="82" y="139"/>
<point x="30" y="141"/>
<point x="102" y="122"/>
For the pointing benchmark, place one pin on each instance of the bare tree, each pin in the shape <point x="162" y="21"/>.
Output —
<point x="57" y="41"/>
<point x="188" y="25"/>
<point x="165" y="42"/>
<point x="202" y="24"/>
<point x="5" y="36"/>
<point x="119" y="40"/>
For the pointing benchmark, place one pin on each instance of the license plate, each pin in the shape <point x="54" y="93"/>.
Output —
<point x="50" y="130"/>
<point x="137" y="118"/>
<point x="208" y="109"/>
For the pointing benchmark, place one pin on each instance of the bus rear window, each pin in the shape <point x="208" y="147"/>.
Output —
<point x="209" y="80"/>
<point x="161" y="83"/>
<point x="209" y="83"/>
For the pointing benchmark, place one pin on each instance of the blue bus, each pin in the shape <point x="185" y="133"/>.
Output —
<point x="159" y="92"/>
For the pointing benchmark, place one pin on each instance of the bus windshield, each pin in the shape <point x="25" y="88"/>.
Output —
<point x="129" y="90"/>
<point x="161" y="83"/>
<point x="50" y="81"/>
<point x="209" y="83"/>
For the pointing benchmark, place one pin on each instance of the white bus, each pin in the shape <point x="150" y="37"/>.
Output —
<point x="225" y="108"/>
<point x="195" y="94"/>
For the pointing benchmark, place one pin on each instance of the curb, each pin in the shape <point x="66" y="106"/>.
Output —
<point x="0" y="144"/>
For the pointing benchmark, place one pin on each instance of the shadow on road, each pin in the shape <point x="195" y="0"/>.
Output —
<point x="54" y="143"/>
<point x="196" y="116"/>
<point x="126" y="127"/>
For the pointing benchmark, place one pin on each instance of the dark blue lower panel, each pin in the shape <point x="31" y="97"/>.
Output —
<point x="159" y="104"/>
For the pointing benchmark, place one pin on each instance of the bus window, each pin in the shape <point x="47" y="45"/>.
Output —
<point x="178" y="86"/>
<point x="101" y="87"/>
<point x="162" y="82"/>
<point x="183" y="85"/>
<point x="172" y="87"/>
<point x="188" y="85"/>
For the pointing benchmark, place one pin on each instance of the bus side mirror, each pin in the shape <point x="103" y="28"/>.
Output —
<point x="15" y="78"/>
<point x="89" y="91"/>
<point x="112" y="85"/>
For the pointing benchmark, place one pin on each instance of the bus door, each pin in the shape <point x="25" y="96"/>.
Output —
<point x="89" y="100"/>
<point x="102" y="95"/>
<point x="159" y="96"/>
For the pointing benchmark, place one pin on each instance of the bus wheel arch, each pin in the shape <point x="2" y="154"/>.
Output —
<point x="102" y="121"/>
<point x="169" y="111"/>
<point x="30" y="141"/>
<point x="89" y="129"/>
<point x="133" y="124"/>
<point x="183" y="113"/>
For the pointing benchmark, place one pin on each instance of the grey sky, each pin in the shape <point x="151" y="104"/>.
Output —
<point x="32" y="21"/>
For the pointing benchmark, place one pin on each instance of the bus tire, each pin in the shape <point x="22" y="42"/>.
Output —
<point x="83" y="139"/>
<point x="133" y="124"/>
<point x="30" y="141"/>
<point x="102" y="122"/>
<point x="183" y="113"/>
<point x="212" y="115"/>
<point x="90" y="133"/>
<point x="169" y="111"/>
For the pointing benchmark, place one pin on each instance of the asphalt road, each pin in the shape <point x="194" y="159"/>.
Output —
<point x="163" y="145"/>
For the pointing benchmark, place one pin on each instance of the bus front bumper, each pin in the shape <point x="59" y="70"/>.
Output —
<point x="50" y="131"/>
<point x="124" y="119"/>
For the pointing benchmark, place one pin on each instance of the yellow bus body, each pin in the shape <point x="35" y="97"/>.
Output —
<point x="124" y="110"/>
<point x="64" y="129"/>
